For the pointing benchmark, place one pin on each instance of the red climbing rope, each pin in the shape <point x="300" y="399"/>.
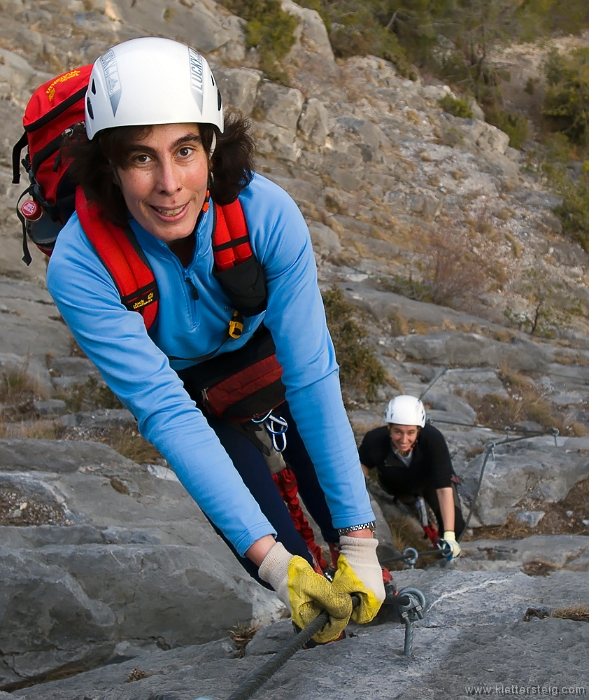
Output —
<point x="286" y="482"/>
<point x="431" y="533"/>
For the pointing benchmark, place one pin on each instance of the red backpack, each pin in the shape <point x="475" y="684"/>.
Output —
<point x="52" y="112"/>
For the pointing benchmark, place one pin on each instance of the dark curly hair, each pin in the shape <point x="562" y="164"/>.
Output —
<point x="94" y="162"/>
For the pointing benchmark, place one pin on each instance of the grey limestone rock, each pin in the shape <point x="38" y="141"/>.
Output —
<point x="531" y="517"/>
<point x="310" y="61"/>
<point x="205" y="25"/>
<point x="279" y="105"/>
<point x="52" y="407"/>
<point x="325" y="240"/>
<point x="570" y="552"/>
<point x="275" y="140"/>
<point x="17" y="77"/>
<point x="472" y="349"/>
<point x="533" y="469"/>
<point x="127" y="556"/>
<point x="313" y="121"/>
<point x="101" y="418"/>
<point x="30" y="327"/>
<point x="449" y="403"/>
<point x="474" y="632"/>
<point x="238" y="87"/>
<point x="485" y="137"/>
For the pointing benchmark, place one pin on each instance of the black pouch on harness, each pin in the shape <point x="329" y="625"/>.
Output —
<point x="238" y="385"/>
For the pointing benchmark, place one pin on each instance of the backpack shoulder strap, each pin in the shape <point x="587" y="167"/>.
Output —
<point x="231" y="241"/>
<point x="122" y="256"/>
<point x="236" y="267"/>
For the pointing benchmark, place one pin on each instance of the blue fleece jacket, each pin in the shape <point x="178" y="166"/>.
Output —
<point x="136" y="367"/>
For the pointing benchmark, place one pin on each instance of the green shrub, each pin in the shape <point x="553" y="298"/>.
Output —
<point x="573" y="211"/>
<point x="530" y="86"/>
<point x="450" y="39"/>
<point x="456" y="107"/>
<point x="358" y="33"/>
<point x="566" y="102"/>
<point x="514" y="125"/>
<point x="359" y="368"/>
<point x="269" y="29"/>
<point x="542" y="17"/>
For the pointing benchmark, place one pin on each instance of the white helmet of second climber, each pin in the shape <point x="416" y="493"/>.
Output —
<point x="151" y="81"/>
<point x="405" y="410"/>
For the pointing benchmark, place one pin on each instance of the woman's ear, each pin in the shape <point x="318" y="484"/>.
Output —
<point x="115" y="176"/>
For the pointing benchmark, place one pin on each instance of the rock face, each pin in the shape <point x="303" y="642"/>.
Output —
<point x="108" y="565"/>
<point x="534" y="471"/>
<point x="481" y="629"/>
<point x="122" y="561"/>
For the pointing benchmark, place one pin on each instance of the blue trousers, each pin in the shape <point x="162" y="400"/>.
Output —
<point x="252" y="467"/>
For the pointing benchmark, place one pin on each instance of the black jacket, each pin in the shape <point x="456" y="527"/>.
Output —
<point x="431" y="464"/>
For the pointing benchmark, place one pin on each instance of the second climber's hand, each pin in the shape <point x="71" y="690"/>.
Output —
<point x="450" y="539"/>
<point x="306" y="593"/>
<point x="359" y="572"/>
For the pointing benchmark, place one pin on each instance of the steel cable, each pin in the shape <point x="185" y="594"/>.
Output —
<point x="256" y="680"/>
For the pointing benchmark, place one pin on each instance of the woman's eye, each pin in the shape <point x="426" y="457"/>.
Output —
<point x="185" y="151"/>
<point x="141" y="158"/>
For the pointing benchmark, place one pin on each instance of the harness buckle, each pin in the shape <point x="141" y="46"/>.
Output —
<point x="236" y="325"/>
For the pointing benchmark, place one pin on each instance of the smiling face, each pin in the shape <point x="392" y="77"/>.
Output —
<point x="164" y="181"/>
<point x="403" y="437"/>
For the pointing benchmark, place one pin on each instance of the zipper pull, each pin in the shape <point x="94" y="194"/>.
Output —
<point x="193" y="289"/>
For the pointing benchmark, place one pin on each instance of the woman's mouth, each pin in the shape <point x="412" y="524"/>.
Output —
<point x="169" y="213"/>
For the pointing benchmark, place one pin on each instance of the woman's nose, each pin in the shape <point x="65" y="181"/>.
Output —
<point x="169" y="179"/>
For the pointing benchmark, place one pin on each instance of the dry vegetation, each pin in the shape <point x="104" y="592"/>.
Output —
<point x="18" y="391"/>
<point x="578" y="613"/>
<point x="20" y="419"/>
<point x="524" y="402"/>
<point x="242" y="635"/>
<point x="407" y="532"/>
<point x="454" y="273"/>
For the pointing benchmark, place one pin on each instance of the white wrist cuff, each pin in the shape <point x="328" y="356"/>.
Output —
<point x="359" y="545"/>
<point x="274" y="570"/>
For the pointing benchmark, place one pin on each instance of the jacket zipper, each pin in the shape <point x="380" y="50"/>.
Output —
<point x="193" y="289"/>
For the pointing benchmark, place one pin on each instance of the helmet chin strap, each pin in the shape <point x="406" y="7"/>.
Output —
<point x="213" y="145"/>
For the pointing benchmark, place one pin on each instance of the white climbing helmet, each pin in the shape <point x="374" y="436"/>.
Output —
<point x="151" y="81"/>
<point x="405" y="410"/>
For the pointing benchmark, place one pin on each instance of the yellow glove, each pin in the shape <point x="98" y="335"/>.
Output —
<point x="450" y="537"/>
<point x="305" y="592"/>
<point x="358" y="571"/>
